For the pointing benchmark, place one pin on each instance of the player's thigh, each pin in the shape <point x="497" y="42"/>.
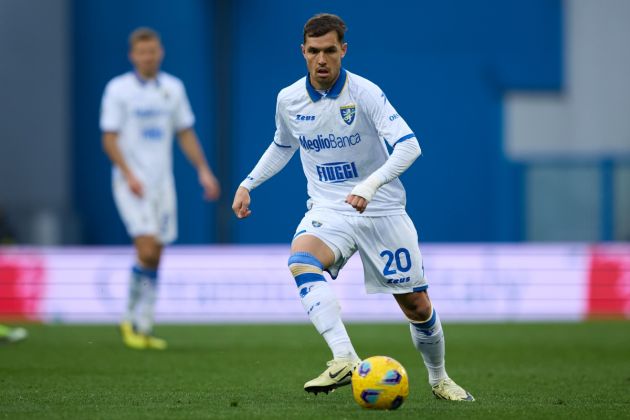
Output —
<point x="328" y="228"/>
<point x="137" y="213"/>
<point x="314" y="246"/>
<point x="390" y="253"/>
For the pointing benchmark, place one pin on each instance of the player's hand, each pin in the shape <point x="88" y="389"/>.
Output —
<point x="241" y="203"/>
<point x="135" y="185"/>
<point x="210" y="184"/>
<point x="357" y="202"/>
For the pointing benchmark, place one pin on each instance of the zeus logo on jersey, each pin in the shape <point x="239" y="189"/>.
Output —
<point x="337" y="172"/>
<point x="152" y="133"/>
<point x="300" y="117"/>
<point x="331" y="142"/>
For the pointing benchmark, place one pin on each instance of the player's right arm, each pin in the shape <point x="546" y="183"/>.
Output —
<point x="277" y="155"/>
<point x="111" y="121"/>
<point x="272" y="161"/>
<point x="110" y="146"/>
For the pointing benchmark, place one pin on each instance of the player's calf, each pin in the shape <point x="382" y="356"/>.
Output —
<point x="321" y="306"/>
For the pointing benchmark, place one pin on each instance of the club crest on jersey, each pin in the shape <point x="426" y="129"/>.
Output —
<point x="348" y="112"/>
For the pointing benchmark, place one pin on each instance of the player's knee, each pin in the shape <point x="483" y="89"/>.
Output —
<point x="305" y="268"/>
<point x="420" y="308"/>
<point x="149" y="258"/>
<point x="423" y="312"/>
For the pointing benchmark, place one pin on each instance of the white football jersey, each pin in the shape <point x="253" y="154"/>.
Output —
<point x="341" y="136"/>
<point x="146" y="115"/>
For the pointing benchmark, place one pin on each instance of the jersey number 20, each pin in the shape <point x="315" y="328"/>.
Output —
<point x="402" y="264"/>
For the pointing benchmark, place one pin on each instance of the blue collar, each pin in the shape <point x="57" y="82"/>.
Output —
<point x="145" y="82"/>
<point x="333" y="92"/>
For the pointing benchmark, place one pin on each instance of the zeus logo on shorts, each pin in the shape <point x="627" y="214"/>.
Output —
<point x="399" y="281"/>
<point x="337" y="172"/>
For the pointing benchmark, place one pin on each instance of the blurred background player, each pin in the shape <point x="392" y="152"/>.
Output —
<point x="141" y="112"/>
<point x="339" y="121"/>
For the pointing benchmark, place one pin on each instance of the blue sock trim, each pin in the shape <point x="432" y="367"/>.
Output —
<point x="146" y="272"/>
<point x="305" y="258"/>
<point x="426" y="325"/>
<point x="302" y="279"/>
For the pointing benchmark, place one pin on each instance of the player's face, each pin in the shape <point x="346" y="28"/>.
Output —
<point x="323" y="56"/>
<point x="146" y="56"/>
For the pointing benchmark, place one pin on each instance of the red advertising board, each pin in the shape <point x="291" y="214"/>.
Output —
<point x="22" y="284"/>
<point x="609" y="282"/>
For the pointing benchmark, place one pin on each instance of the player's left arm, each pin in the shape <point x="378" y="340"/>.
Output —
<point x="189" y="143"/>
<point x="402" y="157"/>
<point x="395" y="130"/>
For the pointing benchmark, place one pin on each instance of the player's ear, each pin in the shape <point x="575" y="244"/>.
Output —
<point x="303" y="50"/>
<point x="344" y="49"/>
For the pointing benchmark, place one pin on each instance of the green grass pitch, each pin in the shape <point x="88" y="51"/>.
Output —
<point x="542" y="370"/>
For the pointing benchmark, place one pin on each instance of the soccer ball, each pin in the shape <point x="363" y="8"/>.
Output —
<point x="380" y="382"/>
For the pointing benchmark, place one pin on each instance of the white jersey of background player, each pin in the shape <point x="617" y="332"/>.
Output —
<point x="146" y="114"/>
<point x="340" y="122"/>
<point x="140" y="114"/>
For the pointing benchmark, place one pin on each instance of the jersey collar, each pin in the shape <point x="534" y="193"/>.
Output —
<point x="333" y="92"/>
<point x="144" y="82"/>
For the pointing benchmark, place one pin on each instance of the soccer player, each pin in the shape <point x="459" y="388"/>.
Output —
<point x="141" y="112"/>
<point x="340" y="122"/>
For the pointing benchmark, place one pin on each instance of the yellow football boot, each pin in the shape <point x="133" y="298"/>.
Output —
<point x="447" y="389"/>
<point x="155" y="343"/>
<point x="130" y="338"/>
<point x="338" y="373"/>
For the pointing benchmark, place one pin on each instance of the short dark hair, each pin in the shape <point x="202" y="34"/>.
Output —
<point x="323" y="23"/>
<point x="143" y="34"/>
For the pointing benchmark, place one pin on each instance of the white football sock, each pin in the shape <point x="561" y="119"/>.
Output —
<point x="133" y="295"/>
<point x="428" y="338"/>
<point x="146" y="303"/>
<point x="320" y="304"/>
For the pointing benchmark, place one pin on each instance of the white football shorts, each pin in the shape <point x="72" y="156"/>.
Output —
<point x="388" y="246"/>
<point x="153" y="214"/>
